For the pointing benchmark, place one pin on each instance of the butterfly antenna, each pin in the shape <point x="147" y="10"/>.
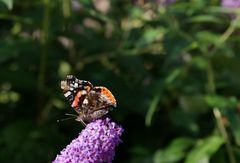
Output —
<point x="72" y="115"/>
<point x="64" y="119"/>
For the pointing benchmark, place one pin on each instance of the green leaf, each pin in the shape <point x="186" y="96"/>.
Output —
<point x="173" y="75"/>
<point x="193" y="103"/>
<point x="200" y="62"/>
<point x="174" y="152"/>
<point x="221" y="101"/>
<point x="8" y="3"/>
<point x="136" y="12"/>
<point x="151" y="110"/>
<point x="204" y="149"/>
<point x="207" y="37"/>
<point x="150" y="35"/>
<point x="204" y="18"/>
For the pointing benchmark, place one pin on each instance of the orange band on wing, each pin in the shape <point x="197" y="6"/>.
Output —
<point x="107" y="93"/>
<point x="76" y="99"/>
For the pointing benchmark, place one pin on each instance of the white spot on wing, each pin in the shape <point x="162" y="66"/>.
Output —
<point x="63" y="84"/>
<point x="83" y="92"/>
<point x="85" y="101"/>
<point x="67" y="94"/>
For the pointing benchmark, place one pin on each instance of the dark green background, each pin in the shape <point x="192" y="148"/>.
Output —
<point x="175" y="72"/>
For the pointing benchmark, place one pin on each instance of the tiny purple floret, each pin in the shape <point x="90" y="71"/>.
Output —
<point x="95" y="144"/>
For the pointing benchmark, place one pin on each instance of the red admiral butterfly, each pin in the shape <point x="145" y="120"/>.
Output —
<point x="88" y="101"/>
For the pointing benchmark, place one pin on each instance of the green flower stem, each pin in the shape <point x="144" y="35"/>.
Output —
<point x="228" y="32"/>
<point x="44" y="39"/>
<point x="210" y="78"/>
<point x="224" y="134"/>
<point x="211" y="88"/>
<point x="43" y="62"/>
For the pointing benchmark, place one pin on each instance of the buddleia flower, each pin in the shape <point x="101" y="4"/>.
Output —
<point x="234" y="4"/>
<point x="95" y="144"/>
<point x="231" y="3"/>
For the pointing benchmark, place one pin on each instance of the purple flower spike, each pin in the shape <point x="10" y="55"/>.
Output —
<point x="231" y="3"/>
<point x="95" y="144"/>
<point x="234" y="4"/>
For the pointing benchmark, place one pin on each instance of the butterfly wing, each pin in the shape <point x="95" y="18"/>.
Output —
<point x="75" y="91"/>
<point x="97" y="103"/>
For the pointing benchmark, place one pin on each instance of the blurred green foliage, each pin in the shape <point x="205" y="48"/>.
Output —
<point x="175" y="72"/>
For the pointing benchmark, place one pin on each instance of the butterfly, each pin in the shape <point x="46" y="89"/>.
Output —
<point x="90" y="102"/>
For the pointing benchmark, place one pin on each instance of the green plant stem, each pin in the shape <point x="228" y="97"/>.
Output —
<point x="15" y="18"/>
<point x="223" y="38"/>
<point x="224" y="134"/>
<point x="66" y="7"/>
<point x="229" y="31"/>
<point x="211" y="88"/>
<point x="210" y="78"/>
<point x="43" y="61"/>
<point x="44" y="39"/>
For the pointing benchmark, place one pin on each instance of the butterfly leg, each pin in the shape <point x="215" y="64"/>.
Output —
<point x="80" y="120"/>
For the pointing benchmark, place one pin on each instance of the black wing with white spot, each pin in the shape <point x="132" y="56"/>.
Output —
<point x="71" y="86"/>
